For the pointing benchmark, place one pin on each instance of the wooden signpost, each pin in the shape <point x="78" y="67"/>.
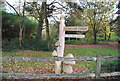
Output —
<point x="59" y="52"/>
<point x="76" y="28"/>
<point x="74" y="36"/>
<point x="60" y="44"/>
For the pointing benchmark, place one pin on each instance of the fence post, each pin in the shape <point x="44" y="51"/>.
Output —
<point x="98" y="66"/>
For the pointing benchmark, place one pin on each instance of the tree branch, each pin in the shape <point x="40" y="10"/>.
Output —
<point x="54" y="18"/>
<point x="60" y="4"/>
<point x="13" y="8"/>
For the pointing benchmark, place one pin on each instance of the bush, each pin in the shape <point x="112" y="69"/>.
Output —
<point x="110" y="66"/>
<point x="11" y="26"/>
<point x="10" y="44"/>
<point x="30" y="44"/>
<point x="33" y="44"/>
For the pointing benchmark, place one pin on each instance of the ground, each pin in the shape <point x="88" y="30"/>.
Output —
<point x="109" y="45"/>
<point x="44" y="69"/>
<point x="113" y="45"/>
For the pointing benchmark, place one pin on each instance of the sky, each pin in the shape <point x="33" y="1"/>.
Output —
<point x="12" y="2"/>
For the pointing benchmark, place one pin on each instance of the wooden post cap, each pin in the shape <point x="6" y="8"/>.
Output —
<point x="67" y="69"/>
<point x="57" y="43"/>
<point x="54" y="53"/>
<point x="69" y="62"/>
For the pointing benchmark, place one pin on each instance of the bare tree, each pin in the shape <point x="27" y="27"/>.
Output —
<point x="21" y="15"/>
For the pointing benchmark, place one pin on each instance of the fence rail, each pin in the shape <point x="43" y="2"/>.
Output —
<point x="59" y="58"/>
<point x="71" y="75"/>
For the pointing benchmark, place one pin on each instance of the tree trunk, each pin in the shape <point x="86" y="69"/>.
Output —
<point x="95" y="38"/>
<point x="94" y="27"/>
<point x="39" y="29"/>
<point x="21" y="23"/>
<point x="21" y="33"/>
<point x="47" y="32"/>
<point x="95" y="34"/>
<point x="109" y="36"/>
<point x="21" y="36"/>
<point x="40" y="24"/>
<point x="47" y="25"/>
<point x="105" y="34"/>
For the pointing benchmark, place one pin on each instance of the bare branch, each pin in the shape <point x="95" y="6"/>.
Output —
<point x="54" y="18"/>
<point x="13" y="8"/>
<point x="59" y="4"/>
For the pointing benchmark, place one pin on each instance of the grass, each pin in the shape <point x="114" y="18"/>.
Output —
<point x="87" y="51"/>
<point x="47" y="66"/>
<point x="92" y="51"/>
<point x="27" y="53"/>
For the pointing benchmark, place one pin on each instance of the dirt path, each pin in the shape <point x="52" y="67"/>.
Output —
<point x="109" y="45"/>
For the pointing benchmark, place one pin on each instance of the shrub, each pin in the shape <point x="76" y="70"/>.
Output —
<point x="110" y="66"/>
<point x="33" y="44"/>
<point x="10" y="44"/>
<point x="11" y="26"/>
<point x="30" y="44"/>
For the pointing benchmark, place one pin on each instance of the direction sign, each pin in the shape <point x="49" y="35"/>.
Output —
<point x="76" y="28"/>
<point x="74" y="35"/>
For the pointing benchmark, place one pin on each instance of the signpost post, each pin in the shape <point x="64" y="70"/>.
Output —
<point x="61" y="42"/>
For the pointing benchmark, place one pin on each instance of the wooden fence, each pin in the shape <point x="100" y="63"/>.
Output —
<point x="97" y="74"/>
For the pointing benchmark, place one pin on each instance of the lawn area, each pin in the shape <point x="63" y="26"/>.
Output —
<point x="91" y="51"/>
<point x="86" y="51"/>
<point x="36" y="67"/>
<point x="27" y="53"/>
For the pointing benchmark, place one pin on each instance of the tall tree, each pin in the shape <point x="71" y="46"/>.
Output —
<point x="97" y="15"/>
<point x="42" y="11"/>
<point x="36" y="10"/>
<point x="21" y="15"/>
<point x="22" y="27"/>
<point x="117" y="21"/>
<point x="47" y="23"/>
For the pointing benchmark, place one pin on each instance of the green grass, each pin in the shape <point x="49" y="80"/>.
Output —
<point x="27" y="53"/>
<point x="91" y="51"/>
<point x="86" y="51"/>
<point x="37" y="66"/>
